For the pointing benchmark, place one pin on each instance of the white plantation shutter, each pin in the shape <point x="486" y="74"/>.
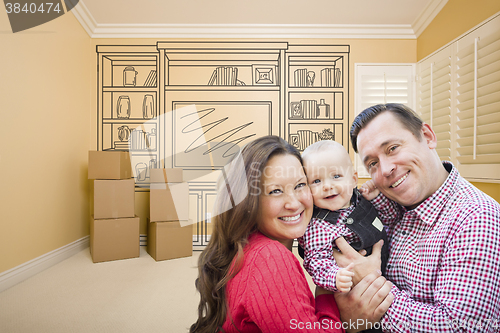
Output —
<point x="477" y="74"/>
<point x="379" y="84"/>
<point x="458" y="94"/>
<point x="434" y="98"/>
<point x="385" y="84"/>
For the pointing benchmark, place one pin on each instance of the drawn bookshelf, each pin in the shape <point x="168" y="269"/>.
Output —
<point x="128" y="103"/>
<point x="193" y="104"/>
<point x="317" y="94"/>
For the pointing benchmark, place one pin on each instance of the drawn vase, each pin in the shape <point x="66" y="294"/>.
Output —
<point x="152" y="139"/>
<point x="323" y="110"/>
<point x="152" y="164"/>
<point x="138" y="139"/>
<point x="123" y="133"/>
<point x="129" y="77"/>
<point x="141" y="170"/>
<point x="148" y="107"/>
<point x="123" y="107"/>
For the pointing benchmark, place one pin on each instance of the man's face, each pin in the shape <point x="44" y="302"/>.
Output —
<point x="400" y="164"/>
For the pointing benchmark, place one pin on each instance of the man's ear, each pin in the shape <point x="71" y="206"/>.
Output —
<point x="355" y="179"/>
<point x="429" y="136"/>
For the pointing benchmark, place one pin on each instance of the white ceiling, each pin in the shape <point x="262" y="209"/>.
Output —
<point x="257" y="18"/>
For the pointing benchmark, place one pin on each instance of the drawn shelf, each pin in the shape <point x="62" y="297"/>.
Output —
<point x="315" y="71"/>
<point x="308" y="90"/>
<point x="129" y="89"/>
<point x="317" y="95"/>
<point x="250" y="74"/>
<point x="315" y="106"/>
<point x="132" y="104"/>
<point x="219" y="88"/>
<point x="229" y="65"/>
<point x="128" y="101"/>
<point x="305" y="134"/>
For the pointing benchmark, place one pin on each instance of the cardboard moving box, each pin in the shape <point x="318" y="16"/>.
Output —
<point x="169" y="240"/>
<point x="169" y="175"/>
<point x="169" y="202"/>
<point x="109" y="165"/>
<point x="114" y="198"/>
<point x="114" y="239"/>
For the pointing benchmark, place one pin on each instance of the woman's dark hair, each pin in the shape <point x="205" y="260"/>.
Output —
<point x="404" y="114"/>
<point x="234" y="219"/>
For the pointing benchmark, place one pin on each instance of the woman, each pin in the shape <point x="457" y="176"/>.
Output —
<point x="249" y="280"/>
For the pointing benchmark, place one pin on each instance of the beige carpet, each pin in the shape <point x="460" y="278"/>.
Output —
<point x="76" y="295"/>
<point x="125" y="296"/>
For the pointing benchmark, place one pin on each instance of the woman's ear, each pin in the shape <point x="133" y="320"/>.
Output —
<point x="429" y="136"/>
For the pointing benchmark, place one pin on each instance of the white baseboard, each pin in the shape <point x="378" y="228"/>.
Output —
<point x="28" y="269"/>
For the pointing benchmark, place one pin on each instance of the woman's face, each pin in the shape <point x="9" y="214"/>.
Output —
<point x="285" y="200"/>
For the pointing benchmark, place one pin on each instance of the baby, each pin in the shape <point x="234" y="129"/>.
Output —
<point x="340" y="211"/>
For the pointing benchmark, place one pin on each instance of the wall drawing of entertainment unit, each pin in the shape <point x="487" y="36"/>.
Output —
<point x="195" y="103"/>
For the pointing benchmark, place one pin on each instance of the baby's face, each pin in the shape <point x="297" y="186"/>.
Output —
<point x="331" y="177"/>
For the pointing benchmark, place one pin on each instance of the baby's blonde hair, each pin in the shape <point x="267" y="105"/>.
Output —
<point x="322" y="145"/>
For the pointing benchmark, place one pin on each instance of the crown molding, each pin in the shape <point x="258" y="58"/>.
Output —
<point x="361" y="31"/>
<point x="252" y="31"/>
<point x="83" y="15"/>
<point x="341" y="31"/>
<point x="427" y="15"/>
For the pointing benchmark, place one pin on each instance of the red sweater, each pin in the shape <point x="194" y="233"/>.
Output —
<point x="271" y="294"/>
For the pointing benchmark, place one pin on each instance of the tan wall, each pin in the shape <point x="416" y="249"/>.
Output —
<point x="44" y="94"/>
<point x="456" y="18"/>
<point x="493" y="190"/>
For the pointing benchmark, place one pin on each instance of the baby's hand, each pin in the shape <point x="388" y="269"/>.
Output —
<point x="369" y="190"/>
<point x="343" y="280"/>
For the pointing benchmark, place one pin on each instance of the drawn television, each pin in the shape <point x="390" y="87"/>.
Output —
<point x="207" y="134"/>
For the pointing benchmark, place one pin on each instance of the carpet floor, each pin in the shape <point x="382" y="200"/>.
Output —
<point x="132" y="295"/>
<point x="125" y="296"/>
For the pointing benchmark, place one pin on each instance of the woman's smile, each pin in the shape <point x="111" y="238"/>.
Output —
<point x="291" y="219"/>
<point x="285" y="199"/>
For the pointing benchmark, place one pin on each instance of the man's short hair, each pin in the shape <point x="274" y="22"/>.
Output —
<point x="408" y="118"/>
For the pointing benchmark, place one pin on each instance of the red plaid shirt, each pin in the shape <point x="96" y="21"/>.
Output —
<point x="444" y="261"/>
<point x="318" y="244"/>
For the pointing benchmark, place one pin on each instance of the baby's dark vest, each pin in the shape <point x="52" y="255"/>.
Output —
<point x="363" y="221"/>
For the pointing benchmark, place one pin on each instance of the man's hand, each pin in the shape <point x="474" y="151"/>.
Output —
<point x="366" y="302"/>
<point x="362" y="265"/>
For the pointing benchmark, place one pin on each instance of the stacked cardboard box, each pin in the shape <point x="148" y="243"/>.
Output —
<point x="169" y="233"/>
<point x="114" y="227"/>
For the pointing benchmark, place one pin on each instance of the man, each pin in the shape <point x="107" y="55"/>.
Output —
<point x="444" y="237"/>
